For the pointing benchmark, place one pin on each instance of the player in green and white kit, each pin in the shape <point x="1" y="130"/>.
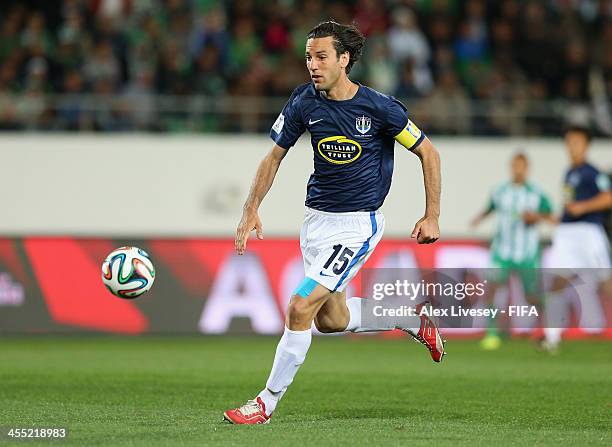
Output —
<point x="515" y="249"/>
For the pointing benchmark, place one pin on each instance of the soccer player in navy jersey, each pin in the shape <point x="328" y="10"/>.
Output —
<point x="580" y="241"/>
<point x="353" y="130"/>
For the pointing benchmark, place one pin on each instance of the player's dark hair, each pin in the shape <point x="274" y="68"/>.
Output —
<point x="520" y="155"/>
<point x="347" y="39"/>
<point x="584" y="130"/>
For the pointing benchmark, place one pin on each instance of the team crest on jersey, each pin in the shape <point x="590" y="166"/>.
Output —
<point x="339" y="149"/>
<point x="574" y="179"/>
<point x="363" y="124"/>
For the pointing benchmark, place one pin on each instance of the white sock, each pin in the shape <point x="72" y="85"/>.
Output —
<point x="355" y="321"/>
<point x="553" y="335"/>
<point x="290" y="354"/>
<point x="556" y="317"/>
<point x="590" y="309"/>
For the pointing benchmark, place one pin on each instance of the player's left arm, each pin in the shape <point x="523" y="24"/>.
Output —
<point x="532" y="217"/>
<point x="601" y="202"/>
<point x="427" y="229"/>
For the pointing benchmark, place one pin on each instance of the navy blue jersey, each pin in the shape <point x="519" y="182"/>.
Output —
<point x="583" y="183"/>
<point x="352" y="141"/>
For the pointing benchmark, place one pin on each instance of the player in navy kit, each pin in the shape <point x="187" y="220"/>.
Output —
<point x="580" y="241"/>
<point x="353" y="130"/>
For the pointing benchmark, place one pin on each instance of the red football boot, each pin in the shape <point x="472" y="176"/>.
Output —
<point x="251" y="413"/>
<point x="429" y="335"/>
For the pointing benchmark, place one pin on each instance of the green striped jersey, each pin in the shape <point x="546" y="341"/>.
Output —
<point x="514" y="240"/>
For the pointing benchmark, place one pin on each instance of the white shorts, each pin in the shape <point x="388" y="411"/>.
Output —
<point x="336" y="245"/>
<point x="580" y="245"/>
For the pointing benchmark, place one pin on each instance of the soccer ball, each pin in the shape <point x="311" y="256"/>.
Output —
<point x="128" y="272"/>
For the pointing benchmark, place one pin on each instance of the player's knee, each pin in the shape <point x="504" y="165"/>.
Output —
<point x="605" y="288"/>
<point x="299" y="313"/>
<point x="560" y="283"/>
<point x="328" y="326"/>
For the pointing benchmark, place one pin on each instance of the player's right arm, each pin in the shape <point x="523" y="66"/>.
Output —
<point x="266" y="172"/>
<point x="285" y="132"/>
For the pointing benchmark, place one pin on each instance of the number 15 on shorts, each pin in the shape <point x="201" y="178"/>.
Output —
<point x="342" y="257"/>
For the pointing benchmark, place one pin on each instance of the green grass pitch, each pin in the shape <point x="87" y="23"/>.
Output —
<point x="154" y="391"/>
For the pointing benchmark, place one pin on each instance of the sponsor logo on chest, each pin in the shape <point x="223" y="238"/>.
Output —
<point x="339" y="149"/>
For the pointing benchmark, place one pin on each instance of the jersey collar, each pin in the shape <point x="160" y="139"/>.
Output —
<point x="343" y="102"/>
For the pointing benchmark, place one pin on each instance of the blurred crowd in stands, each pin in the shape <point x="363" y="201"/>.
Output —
<point x="462" y="66"/>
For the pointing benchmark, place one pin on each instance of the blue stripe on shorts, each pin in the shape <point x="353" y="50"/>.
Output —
<point x="362" y="251"/>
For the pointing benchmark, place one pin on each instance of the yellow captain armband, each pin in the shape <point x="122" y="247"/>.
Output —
<point x="410" y="136"/>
